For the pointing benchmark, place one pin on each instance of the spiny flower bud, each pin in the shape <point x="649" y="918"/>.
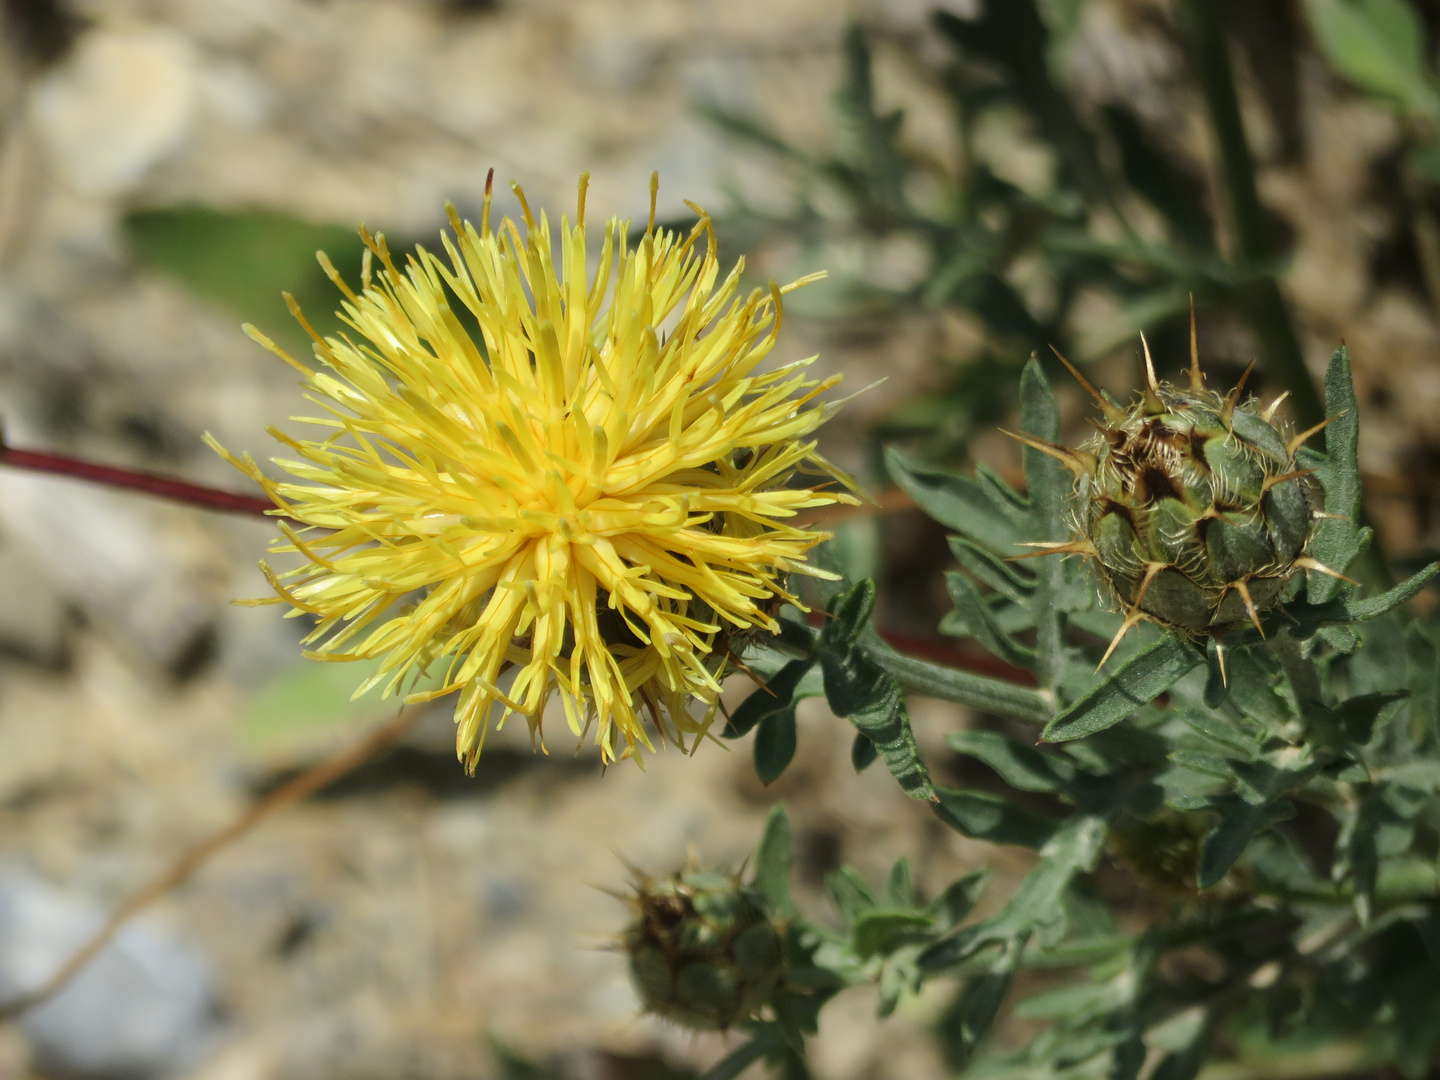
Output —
<point x="1190" y="505"/>
<point x="703" y="950"/>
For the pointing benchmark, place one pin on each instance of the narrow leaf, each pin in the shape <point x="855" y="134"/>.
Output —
<point x="1143" y="678"/>
<point x="988" y="817"/>
<point x="775" y="743"/>
<point x="772" y="863"/>
<point x="963" y="687"/>
<point x="1338" y="540"/>
<point x="1021" y="767"/>
<point x="860" y="690"/>
<point x="775" y="696"/>
<point x="1239" y="822"/>
<point x="955" y="501"/>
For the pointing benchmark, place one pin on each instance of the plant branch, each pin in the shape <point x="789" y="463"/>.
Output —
<point x="131" y="480"/>
<point x="307" y="783"/>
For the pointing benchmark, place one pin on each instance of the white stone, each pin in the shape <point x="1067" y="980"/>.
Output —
<point x="123" y="101"/>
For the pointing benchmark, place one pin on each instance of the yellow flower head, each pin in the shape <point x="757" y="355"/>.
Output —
<point x="588" y="498"/>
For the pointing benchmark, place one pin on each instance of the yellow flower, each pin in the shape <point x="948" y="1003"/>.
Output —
<point x="590" y="496"/>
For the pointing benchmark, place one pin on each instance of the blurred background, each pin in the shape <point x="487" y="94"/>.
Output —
<point x="982" y="179"/>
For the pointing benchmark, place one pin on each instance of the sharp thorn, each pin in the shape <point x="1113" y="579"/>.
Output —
<point x="1220" y="660"/>
<point x="1077" y="461"/>
<point x="1269" y="414"/>
<point x="1308" y="563"/>
<point x="1244" y="591"/>
<point x="1227" y="410"/>
<point x="1150" y="383"/>
<point x="1297" y="441"/>
<point x="1081" y="546"/>
<point x="1273" y="481"/>
<point x="1132" y="620"/>
<point x="1110" y="409"/>
<point x="1197" y="378"/>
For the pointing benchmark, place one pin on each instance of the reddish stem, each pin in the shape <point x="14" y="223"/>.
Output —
<point x="149" y="483"/>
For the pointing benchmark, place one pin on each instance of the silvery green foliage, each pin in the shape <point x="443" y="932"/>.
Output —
<point x="1285" y="821"/>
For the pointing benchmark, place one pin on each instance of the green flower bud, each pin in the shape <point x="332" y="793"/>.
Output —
<point x="704" y="952"/>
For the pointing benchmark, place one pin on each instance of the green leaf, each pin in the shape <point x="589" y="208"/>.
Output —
<point x="1142" y="679"/>
<point x="850" y="613"/>
<point x="244" y="259"/>
<point x="963" y="687"/>
<point x="1022" y="767"/>
<point x="862" y="753"/>
<point x="767" y="1039"/>
<point x="980" y="1003"/>
<point x="860" y="690"/>
<point x="1377" y="44"/>
<point x="1049" y="484"/>
<point x="883" y="930"/>
<point x="1006" y="578"/>
<point x="1073" y="849"/>
<point x="772" y="863"/>
<point x="776" y="696"/>
<point x="988" y="817"/>
<point x="1239" y="822"/>
<point x="956" y="502"/>
<point x="1308" y="618"/>
<point x="973" y="618"/>
<point x="1424" y="653"/>
<point x="900" y="885"/>
<point x="1338" y="540"/>
<point x="775" y="743"/>
<point x="851" y="895"/>
<point x="951" y="906"/>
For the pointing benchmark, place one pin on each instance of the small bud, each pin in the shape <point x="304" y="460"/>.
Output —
<point x="703" y="950"/>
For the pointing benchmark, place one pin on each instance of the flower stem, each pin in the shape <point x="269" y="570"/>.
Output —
<point x="307" y="783"/>
<point x="130" y="480"/>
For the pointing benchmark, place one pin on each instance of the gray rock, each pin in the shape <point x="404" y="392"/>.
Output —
<point x="142" y="1009"/>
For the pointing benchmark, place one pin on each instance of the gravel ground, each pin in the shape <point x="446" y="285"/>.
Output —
<point x="399" y="924"/>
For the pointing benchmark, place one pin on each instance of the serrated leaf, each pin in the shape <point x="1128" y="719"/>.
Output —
<point x="1021" y="767"/>
<point x="775" y="743"/>
<point x="1239" y="822"/>
<point x="860" y="690"/>
<point x="1338" y="540"/>
<point x="850" y="613"/>
<point x="956" y="502"/>
<point x="1139" y="681"/>
<point x="989" y="817"/>
<point x="772" y="863"/>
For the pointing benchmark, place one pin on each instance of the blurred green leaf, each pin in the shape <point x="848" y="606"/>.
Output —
<point x="244" y="259"/>
<point x="989" y="817"/>
<point x="775" y="742"/>
<point x="1379" y="46"/>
